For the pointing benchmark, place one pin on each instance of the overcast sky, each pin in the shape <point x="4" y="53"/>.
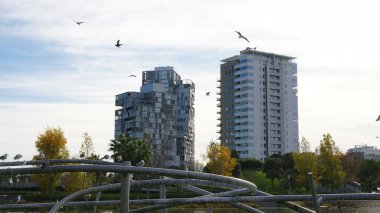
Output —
<point x="55" y="73"/>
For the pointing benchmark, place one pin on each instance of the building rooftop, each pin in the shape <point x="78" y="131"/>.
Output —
<point x="249" y="51"/>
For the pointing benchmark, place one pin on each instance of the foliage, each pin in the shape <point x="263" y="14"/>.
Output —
<point x="219" y="159"/>
<point x="369" y="174"/>
<point x="74" y="181"/>
<point x="251" y="163"/>
<point x="237" y="170"/>
<point x="351" y="162"/>
<point x="329" y="165"/>
<point x="304" y="162"/>
<point x="87" y="146"/>
<point x="128" y="149"/>
<point x="52" y="143"/>
<point x="272" y="167"/>
<point x="198" y="166"/>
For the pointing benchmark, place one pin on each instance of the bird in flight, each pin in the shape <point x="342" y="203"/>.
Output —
<point x="78" y="22"/>
<point x="377" y="137"/>
<point x="132" y="76"/>
<point x="208" y="93"/>
<point x="18" y="156"/>
<point x="118" y="44"/>
<point x="378" y="118"/>
<point x="241" y="36"/>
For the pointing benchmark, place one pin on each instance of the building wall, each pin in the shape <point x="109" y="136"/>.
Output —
<point x="161" y="113"/>
<point x="260" y="110"/>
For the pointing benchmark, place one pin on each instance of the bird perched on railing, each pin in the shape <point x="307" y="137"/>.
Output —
<point x="87" y="196"/>
<point x="18" y="156"/>
<point x="4" y="157"/>
<point x="105" y="157"/>
<point x="141" y="163"/>
<point x="42" y="156"/>
<point x="82" y="155"/>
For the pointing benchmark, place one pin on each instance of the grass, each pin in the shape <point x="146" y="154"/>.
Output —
<point x="262" y="183"/>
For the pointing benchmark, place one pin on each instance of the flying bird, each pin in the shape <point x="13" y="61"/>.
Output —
<point x="78" y="22"/>
<point x="208" y="93"/>
<point x="377" y="137"/>
<point x="378" y="118"/>
<point x="18" y="156"/>
<point x="241" y="36"/>
<point x="141" y="163"/>
<point x="132" y="76"/>
<point x="118" y="44"/>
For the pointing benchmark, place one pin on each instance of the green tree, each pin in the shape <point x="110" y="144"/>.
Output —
<point x="128" y="149"/>
<point x="219" y="159"/>
<point x="272" y="167"/>
<point x="329" y="165"/>
<point x="351" y="162"/>
<point x="304" y="162"/>
<point x="52" y="143"/>
<point x="369" y="174"/>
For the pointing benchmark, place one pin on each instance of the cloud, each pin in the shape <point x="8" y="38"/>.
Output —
<point x="52" y="63"/>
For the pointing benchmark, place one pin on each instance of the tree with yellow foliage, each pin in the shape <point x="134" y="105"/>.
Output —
<point x="305" y="161"/>
<point x="52" y="144"/>
<point x="219" y="160"/>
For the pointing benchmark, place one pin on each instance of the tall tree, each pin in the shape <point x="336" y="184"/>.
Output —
<point x="219" y="159"/>
<point x="329" y="165"/>
<point x="273" y="167"/>
<point x="369" y="174"/>
<point x="304" y="162"/>
<point x="87" y="146"/>
<point x="52" y="143"/>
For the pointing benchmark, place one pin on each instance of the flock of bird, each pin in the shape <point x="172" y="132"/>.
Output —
<point x="118" y="44"/>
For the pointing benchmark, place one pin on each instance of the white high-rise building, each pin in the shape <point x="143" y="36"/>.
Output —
<point x="258" y="104"/>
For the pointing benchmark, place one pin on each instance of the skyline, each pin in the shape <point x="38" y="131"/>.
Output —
<point x="56" y="73"/>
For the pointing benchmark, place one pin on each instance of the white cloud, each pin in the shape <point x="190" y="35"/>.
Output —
<point x="336" y="45"/>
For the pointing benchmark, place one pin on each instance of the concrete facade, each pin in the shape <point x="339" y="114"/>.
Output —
<point x="161" y="113"/>
<point x="258" y="104"/>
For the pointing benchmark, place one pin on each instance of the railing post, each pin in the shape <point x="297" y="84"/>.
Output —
<point x="96" y="199"/>
<point x="163" y="195"/>
<point x="125" y="189"/>
<point x="313" y="192"/>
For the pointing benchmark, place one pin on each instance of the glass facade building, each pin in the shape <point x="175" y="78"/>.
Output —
<point x="162" y="113"/>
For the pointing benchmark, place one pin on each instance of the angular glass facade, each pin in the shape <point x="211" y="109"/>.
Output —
<point x="163" y="114"/>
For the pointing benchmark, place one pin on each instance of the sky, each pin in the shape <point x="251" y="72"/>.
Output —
<point x="55" y="73"/>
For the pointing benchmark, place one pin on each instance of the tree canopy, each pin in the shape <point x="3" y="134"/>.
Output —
<point x="329" y="165"/>
<point x="52" y="143"/>
<point x="128" y="149"/>
<point x="219" y="159"/>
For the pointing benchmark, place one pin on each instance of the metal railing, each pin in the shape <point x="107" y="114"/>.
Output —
<point x="238" y="190"/>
